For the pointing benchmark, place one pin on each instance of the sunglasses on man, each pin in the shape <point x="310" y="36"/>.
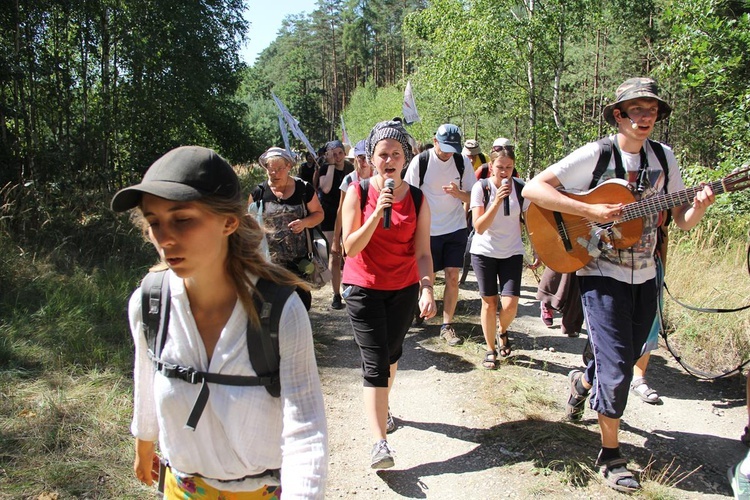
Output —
<point x="501" y="148"/>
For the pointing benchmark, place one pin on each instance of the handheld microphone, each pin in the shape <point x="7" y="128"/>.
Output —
<point x="506" y="201"/>
<point x="390" y="184"/>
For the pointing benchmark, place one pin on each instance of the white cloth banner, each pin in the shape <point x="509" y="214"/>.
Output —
<point x="344" y="135"/>
<point x="409" y="109"/>
<point x="293" y="124"/>
<point x="285" y="136"/>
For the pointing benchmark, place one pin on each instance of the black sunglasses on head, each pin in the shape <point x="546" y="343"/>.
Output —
<point x="500" y="148"/>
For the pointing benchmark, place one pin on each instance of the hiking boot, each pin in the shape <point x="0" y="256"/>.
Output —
<point x="336" y="302"/>
<point x="740" y="483"/>
<point x="576" y="402"/>
<point x="546" y="314"/>
<point x="390" y="424"/>
<point x="382" y="455"/>
<point x="449" y="334"/>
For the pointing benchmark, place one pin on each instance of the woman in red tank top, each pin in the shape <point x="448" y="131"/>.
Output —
<point x="388" y="269"/>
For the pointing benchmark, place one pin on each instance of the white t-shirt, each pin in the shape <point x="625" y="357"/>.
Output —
<point x="503" y="238"/>
<point x="446" y="212"/>
<point x="636" y="264"/>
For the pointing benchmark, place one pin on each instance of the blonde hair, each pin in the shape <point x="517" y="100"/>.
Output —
<point x="244" y="255"/>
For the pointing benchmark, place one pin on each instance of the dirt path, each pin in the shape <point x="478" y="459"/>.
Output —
<point x="465" y="431"/>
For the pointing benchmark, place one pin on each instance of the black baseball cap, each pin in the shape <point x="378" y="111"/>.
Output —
<point x="186" y="173"/>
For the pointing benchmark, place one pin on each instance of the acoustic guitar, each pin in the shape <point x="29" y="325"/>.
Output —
<point x="566" y="243"/>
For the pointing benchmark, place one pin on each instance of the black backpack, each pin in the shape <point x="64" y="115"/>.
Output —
<point x="424" y="158"/>
<point x="364" y="188"/>
<point x="262" y="343"/>
<point x="606" y="146"/>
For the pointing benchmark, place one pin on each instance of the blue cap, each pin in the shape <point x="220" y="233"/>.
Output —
<point x="359" y="148"/>
<point x="449" y="138"/>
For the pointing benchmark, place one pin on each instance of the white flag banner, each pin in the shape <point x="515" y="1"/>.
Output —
<point x="285" y="136"/>
<point x="344" y="135"/>
<point x="409" y="109"/>
<point x="293" y="124"/>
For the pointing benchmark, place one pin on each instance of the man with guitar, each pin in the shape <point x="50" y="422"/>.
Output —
<point x="618" y="277"/>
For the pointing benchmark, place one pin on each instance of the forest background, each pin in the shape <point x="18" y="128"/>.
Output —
<point x="92" y="92"/>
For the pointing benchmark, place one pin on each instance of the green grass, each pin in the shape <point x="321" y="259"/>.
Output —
<point x="708" y="269"/>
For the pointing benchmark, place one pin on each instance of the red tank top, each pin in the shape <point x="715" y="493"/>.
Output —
<point x="388" y="261"/>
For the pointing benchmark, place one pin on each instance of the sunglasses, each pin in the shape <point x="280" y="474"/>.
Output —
<point x="501" y="148"/>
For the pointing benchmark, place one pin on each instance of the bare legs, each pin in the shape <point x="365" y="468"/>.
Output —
<point x="376" y="405"/>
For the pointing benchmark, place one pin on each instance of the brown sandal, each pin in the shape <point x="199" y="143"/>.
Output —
<point x="503" y="344"/>
<point x="490" y="361"/>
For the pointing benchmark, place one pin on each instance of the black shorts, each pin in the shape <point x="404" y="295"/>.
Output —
<point x="489" y="270"/>
<point x="380" y="319"/>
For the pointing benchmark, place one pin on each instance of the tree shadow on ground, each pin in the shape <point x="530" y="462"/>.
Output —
<point x="566" y="448"/>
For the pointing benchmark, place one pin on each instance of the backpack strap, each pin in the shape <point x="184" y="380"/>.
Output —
<point x="154" y="293"/>
<point x="364" y="188"/>
<point x="458" y="159"/>
<point x="416" y="197"/>
<point x="606" y="146"/>
<point x="658" y="150"/>
<point x="263" y="343"/>
<point x="519" y="185"/>
<point x="486" y="191"/>
<point x="424" y="157"/>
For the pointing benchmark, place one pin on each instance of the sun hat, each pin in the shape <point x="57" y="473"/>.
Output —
<point x="448" y="136"/>
<point x="389" y="130"/>
<point x="471" y="147"/>
<point x="186" y="173"/>
<point x="275" y="152"/>
<point x="636" y="88"/>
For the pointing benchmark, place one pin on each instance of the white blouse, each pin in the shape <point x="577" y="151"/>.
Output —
<point x="243" y="430"/>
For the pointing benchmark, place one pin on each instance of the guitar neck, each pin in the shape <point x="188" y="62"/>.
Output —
<point x="661" y="202"/>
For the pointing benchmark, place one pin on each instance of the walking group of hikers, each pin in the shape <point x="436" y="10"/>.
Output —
<point x="232" y="427"/>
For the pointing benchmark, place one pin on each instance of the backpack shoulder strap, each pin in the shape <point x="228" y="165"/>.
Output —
<point x="485" y="191"/>
<point x="155" y="307"/>
<point x="458" y="159"/>
<point x="519" y="185"/>
<point x="263" y="343"/>
<point x="605" y="154"/>
<point x="662" y="157"/>
<point x="416" y="196"/>
<point x="364" y="188"/>
<point x="424" y="158"/>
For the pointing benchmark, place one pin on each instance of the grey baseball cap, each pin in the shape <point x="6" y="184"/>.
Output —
<point x="186" y="173"/>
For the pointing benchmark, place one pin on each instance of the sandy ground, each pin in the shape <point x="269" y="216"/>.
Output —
<point x="454" y="441"/>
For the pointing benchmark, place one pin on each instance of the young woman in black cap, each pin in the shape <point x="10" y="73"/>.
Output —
<point x="246" y="441"/>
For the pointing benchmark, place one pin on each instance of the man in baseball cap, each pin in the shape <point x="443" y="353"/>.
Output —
<point x="445" y="177"/>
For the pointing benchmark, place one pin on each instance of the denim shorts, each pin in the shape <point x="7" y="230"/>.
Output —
<point x="448" y="250"/>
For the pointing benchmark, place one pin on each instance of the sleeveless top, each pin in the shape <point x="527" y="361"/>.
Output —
<point x="388" y="261"/>
<point x="285" y="247"/>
